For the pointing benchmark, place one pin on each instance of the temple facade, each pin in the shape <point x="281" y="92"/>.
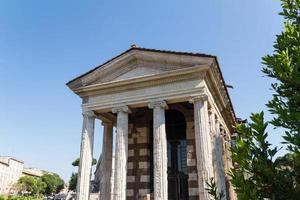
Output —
<point x="173" y="119"/>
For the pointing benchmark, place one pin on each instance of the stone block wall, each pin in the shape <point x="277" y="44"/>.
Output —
<point x="138" y="171"/>
<point x="139" y="161"/>
<point x="192" y="161"/>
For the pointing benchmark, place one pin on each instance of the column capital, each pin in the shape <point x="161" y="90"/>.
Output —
<point x="124" y="109"/>
<point x="160" y="104"/>
<point x="202" y="98"/>
<point x="106" y="123"/>
<point x="89" y="114"/>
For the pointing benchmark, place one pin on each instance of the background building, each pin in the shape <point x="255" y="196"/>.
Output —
<point x="34" y="172"/>
<point x="10" y="171"/>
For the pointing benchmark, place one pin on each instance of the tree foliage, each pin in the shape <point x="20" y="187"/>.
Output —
<point x="31" y="185"/>
<point x="73" y="181"/>
<point x="213" y="191"/>
<point x="284" y="66"/>
<point x="257" y="175"/>
<point x="18" y="197"/>
<point x="53" y="183"/>
<point x="74" y="176"/>
<point x="75" y="163"/>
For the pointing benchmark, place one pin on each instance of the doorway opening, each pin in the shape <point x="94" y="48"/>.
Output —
<point x="177" y="155"/>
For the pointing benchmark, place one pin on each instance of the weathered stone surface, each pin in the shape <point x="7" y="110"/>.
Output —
<point x="145" y="178"/>
<point x="130" y="153"/>
<point x="86" y="156"/>
<point x="144" y="165"/>
<point x="106" y="163"/>
<point x="138" y="77"/>
<point x="203" y="143"/>
<point x="121" y="153"/>
<point x="159" y="151"/>
<point x="218" y="161"/>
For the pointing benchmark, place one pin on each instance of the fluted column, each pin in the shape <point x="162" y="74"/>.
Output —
<point x="86" y="156"/>
<point x="204" y="163"/>
<point x="160" y="151"/>
<point x="106" y="161"/>
<point x="221" y="184"/>
<point x="212" y="139"/>
<point x="121" y="153"/>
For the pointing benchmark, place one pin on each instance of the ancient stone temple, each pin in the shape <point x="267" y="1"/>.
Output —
<point x="173" y="119"/>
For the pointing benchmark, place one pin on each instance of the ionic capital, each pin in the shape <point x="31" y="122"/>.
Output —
<point x="158" y="104"/>
<point x="199" y="98"/>
<point x="124" y="109"/>
<point x="106" y="123"/>
<point x="89" y="114"/>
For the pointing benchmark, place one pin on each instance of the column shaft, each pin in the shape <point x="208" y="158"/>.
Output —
<point x="221" y="184"/>
<point x="106" y="161"/>
<point x="121" y="153"/>
<point x="202" y="131"/>
<point x="86" y="157"/>
<point x="160" y="151"/>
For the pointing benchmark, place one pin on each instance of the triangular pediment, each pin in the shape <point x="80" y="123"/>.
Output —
<point x="138" y="62"/>
<point x="138" y="72"/>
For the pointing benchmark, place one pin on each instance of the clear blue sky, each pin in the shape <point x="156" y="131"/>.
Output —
<point x="44" y="44"/>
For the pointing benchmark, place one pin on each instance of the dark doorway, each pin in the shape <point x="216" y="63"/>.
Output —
<point x="177" y="156"/>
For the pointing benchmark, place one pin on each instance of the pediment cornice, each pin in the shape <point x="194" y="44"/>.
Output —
<point x="137" y="59"/>
<point x="198" y="72"/>
<point x="141" y="68"/>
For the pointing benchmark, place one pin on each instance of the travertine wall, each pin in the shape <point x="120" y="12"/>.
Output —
<point x="138" y="168"/>
<point x="192" y="161"/>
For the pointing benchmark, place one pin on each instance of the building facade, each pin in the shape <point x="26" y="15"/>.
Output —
<point x="10" y="171"/>
<point x="34" y="172"/>
<point x="173" y="118"/>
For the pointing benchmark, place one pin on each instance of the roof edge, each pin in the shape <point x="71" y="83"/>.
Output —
<point x="141" y="49"/>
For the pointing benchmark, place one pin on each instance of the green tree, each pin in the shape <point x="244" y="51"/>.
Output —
<point x="73" y="181"/>
<point x="213" y="191"/>
<point x="284" y="66"/>
<point x="31" y="185"/>
<point x="257" y="175"/>
<point x="75" y="163"/>
<point x="53" y="183"/>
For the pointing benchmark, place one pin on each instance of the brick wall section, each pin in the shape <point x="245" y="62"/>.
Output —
<point x="192" y="161"/>
<point x="138" y="172"/>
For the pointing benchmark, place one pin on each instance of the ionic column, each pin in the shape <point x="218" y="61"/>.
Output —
<point x="86" y="156"/>
<point x="160" y="151"/>
<point x="121" y="153"/>
<point x="106" y="161"/>
<point x="221" y="184"/>
<point x="211" y="137"/>
<point x="202" y="131"/>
